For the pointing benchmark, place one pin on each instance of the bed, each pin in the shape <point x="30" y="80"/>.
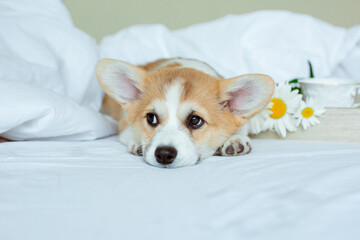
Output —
<point x="96" y="190"/>
<point x="65" y="175"/>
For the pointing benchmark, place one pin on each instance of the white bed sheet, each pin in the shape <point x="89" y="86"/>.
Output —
<point x="95" y="190"/>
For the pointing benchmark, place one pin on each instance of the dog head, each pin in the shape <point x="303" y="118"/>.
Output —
<point x="181" y="115"/>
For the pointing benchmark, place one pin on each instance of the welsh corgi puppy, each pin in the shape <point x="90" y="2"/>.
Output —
<point x="175" y="112"/>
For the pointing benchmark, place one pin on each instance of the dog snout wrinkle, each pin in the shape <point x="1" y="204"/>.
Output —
<point x="165" y="154"/>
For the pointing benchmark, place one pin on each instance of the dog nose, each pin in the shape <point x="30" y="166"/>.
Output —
<point x="165" y="154"/>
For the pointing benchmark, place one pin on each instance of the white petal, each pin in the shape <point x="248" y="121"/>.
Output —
<point x="319" y="112"/>
<point x="280" y="129"/>
<point x="313" y="121"/>
<point x="305" y="123"/>
<point x="290" y="124"/>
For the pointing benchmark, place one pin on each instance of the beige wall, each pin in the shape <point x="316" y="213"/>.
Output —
<point x="102" y="17"/>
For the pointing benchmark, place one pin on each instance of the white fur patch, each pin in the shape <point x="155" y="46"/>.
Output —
<point x="191" y="63"/>
<point x="127" y="137"/>
<point x="172" y="133"/>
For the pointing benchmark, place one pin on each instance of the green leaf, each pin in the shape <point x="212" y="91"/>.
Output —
<point x="294" y="80"/>
<point x="311" y="69"/>
<point x="296" y="88"/>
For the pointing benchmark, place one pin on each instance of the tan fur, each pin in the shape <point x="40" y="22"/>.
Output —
<point x="153" y="65"/>
<point x="173" y="65"/>
<point x="115" y="111"/>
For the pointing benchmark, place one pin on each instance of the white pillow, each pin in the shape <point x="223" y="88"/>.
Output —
<point x="29" y="112"/>
<point x="48" y="87"/>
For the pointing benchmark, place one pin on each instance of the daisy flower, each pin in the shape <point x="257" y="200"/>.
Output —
<point x="308" y="113"/>
<point x="257" y="123"/>
<point x="285" y="105"/>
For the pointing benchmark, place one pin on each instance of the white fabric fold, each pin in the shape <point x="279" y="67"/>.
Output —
<point x="48" y="88"/>
<point x="277" y="43"/>
<point x="291" y="190"/>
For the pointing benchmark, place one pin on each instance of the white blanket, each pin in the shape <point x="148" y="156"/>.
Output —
<point x="48" y="88"/>
<point x="277" y="43"/>
<point x="283" y="190"/>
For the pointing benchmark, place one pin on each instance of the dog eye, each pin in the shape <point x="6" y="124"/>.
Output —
<point x="152" y="119"/>
<point x="195" y="122"/>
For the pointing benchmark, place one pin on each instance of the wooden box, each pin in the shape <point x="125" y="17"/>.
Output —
<point x="336" y="124"/>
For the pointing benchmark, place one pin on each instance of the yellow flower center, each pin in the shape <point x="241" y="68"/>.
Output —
<point x="278" y="108"/>
<point x="307" y="112"/>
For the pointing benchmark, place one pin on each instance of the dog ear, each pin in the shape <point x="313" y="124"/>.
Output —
<point x="246" y="95"/>
<point x="120" y="80"/>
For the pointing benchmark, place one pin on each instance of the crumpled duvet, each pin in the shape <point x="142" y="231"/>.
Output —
<point x="276" y="43"/>
<point x="48" y="89"/>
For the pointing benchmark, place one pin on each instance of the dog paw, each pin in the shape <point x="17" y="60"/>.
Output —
<point x="136" y="149"/>
<point x="236" y="145"/>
